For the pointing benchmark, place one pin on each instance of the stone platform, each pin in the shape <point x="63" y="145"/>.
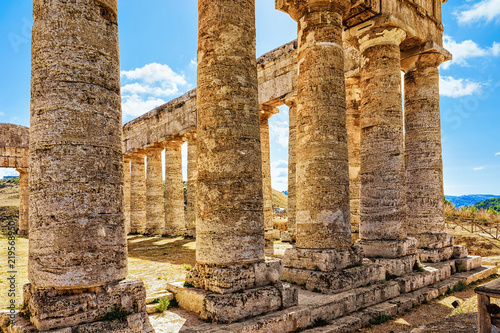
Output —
<point x="347" y="310"/>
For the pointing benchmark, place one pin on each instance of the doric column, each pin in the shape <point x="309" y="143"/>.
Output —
<point x="265" y="113"/>
<point x="230" y="221"/>
<point x="424" y="164"/>
<point x="137" y="193"/>
<point x="175" y="222"/>
<point x="155" y="217"/>
<point x="24" y="193"/>
<point x="323" y="213"/>
<point x="126" y="193"/>
<point x="292" y="176"/>
<point x="78" y="250"/>
<point x="353" y="95"/>
<point x="192" y="178"/>
<point x="382" y="198"/>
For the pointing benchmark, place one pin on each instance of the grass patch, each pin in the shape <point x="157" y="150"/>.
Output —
<point x="187" y="267"/>
<point x="116" y="314"/>
<point x="163" y="304"/>
<point x="380" y="319"/>
<point x="417" y="267"/>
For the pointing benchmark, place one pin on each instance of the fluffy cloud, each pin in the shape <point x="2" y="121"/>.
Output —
<point x="478" y="168"/>
<point x="279" y="175"/>
<point x="497" y="154"/>
<point x="451" y="87"/>
<point x="465" y="50"/>
<point x="148" y="87"/>
<point x="278" y="131"/>
<point x="486" y="10"/>
<point x="8" y="172"/>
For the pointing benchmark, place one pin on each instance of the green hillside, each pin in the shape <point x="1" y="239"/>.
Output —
<point x="280" y="199"/>
<point x="490" y="203"/>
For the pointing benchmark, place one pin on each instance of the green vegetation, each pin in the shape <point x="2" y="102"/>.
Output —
<point x="187" y="267"/>
<point x="280" y="199"/>
<point x="163" y="304"/>
<point x="116" y="314"/>
<point x="490" y="204"/>
<point x="380" y="319"/>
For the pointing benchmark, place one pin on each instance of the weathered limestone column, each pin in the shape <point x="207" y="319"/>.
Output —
<point x="323" y="213"/>
<point x="155" y="217"/>
<point x="292" y="175"/>
<point x="175" y="223"/>
<point x="230" y="221"/>
<point x="78" y="251"/>
<point x="382" y="199"/>
<point x="192" y="178"/>
<point x="353" y="95"/>
<point x="137" y="193"/>
<point x="265" y="113"/>
<point x="24" y="193"/>
<point x="126" y="192"/>
<point x="424" y="164"/>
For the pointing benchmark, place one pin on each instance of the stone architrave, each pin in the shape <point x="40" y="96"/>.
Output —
<point x="423" y="155"/>
<point x="192" y="178"/>
<point x="126" y="193"/>
<point x="230" y="222"/>
<point x="155" y="217"/>
<point x="137" y="193"/>
<point x="322" y="183"/>
<point x="175" y="220"/>
<point x="24" y="194"/>
<point x="78" y="251"/>
<point x="382" y="198"/>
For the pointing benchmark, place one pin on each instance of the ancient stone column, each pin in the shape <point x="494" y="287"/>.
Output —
<point x="155" y="217"/>
<point x="292" y="144"/>
<point x="137" y="193"/>
<point x="175" y="223"/>
<point x="353" y="95"/>
<point x="382" y="198"/>
<point x="192" y="178"/>
<point x="78" y="251"/>
<point x="424" y="164"/>
<point x="230" y="221"/>
<point x="126" y="193"/>
<point x="264" y="114"/>
<point x="24" y="193"/>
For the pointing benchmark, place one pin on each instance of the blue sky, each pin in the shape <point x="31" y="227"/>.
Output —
<point x="158" y="63"/>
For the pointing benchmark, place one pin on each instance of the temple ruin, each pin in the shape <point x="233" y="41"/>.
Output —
<point x="357" y="161"/>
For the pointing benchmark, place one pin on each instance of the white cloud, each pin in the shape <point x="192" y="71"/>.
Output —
<point x="497" y="154"/>
<point x="148" y="87"/>
<point x="279" y="175"/>
<point x="278" y="131"/>
<point x="451" y="87"/>
<point x="486" y="10"/>
<point x="8" y="172"/>
<point x="193" y="64"/>
<point x="465" y="50"/>
<point x="478" y="168"/>
<point x="2" y="114"/>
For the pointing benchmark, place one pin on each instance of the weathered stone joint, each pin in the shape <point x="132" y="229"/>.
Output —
<point x="387" y="248"/>
<point x="325" y="260"/>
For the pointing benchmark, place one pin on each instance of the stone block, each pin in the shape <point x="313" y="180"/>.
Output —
<point x="436" y="254"/>
<point x="272" y="234"/>
<point x="460" y="251"/>
<point x="468" y="263"/>
<point x="325" y="260"/>
<point x="433" y="241"/>
<point x="51" y="309"/>
<point x="232" y="278"/>
<point x="397" y="266"/>
<point x="387" y="248"/>
<point x="228" y="308"/>
<point x="286" y="236"/>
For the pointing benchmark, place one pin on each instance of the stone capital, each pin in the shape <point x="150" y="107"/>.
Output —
<point x="427" y="55"/>
<point x="381" y="36"/>
<point x="127" y="158"/>
<point x="138" y="155"/>
<point x="298" y="8"/>
<point x="266" y="111"/>
<point x="154" y="150"/>
<point x="173" y="144"/>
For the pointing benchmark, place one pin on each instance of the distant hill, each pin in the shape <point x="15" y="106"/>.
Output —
<point x="469" y="200"/>
<point x="490" y="203"/>
<point x="286" y="192"/>
<point x="279" y="199"/>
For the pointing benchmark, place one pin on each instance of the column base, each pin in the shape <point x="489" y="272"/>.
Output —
<point x="324" y="260"/>
<point x="397" y="266"/>
<point x="433" y="241"/>
<point x="233" y="278"/>
<point x="387" y="248"/>
<point x="115" y="307"/>
<point x="228" y="308"/>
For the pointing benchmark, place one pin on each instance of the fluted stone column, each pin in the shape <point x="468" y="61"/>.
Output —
<point x="126" y="193"/>
<point x="155" y="217"/>
<point x="323" y="213"/>
<point x="137" y="193"/>
<point x="265" y="113"/>
<point x="424" y="164"/>
<point x="292" y="176"/>
<point x="78" y="251"/>
<point x="382" y="198"/>
<point x="175" y="222"/>
<point x="230" y="221"/>
<point x="192" y="178"/>
<point x="353" y="95"/>
<point x="24" y="193"/>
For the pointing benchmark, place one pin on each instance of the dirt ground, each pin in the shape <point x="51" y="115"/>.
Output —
<point x="156" y="260"/>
